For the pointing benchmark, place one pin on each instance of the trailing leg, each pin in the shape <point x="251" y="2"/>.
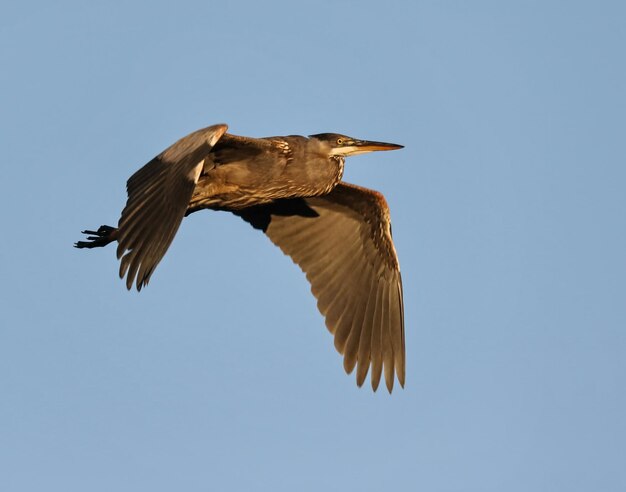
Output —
<point x="97" y="239"/>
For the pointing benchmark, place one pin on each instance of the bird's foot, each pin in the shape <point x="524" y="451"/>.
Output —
<point x="96" y="239"/>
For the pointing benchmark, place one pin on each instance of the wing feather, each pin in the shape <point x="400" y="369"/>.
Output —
<point x="342" y="241"/>
<point x="158" y="197"/>
<point x="377" y="335"/>
<point x="365" y="340"/>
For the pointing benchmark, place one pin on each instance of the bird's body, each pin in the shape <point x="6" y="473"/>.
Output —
<point x="240" y="171"/>
<point x="291" y="189"/>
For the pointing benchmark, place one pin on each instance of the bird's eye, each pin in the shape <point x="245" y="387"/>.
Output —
<point x="340" y="141"/>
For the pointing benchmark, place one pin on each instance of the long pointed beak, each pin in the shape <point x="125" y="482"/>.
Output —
<point x="370" y="146"/>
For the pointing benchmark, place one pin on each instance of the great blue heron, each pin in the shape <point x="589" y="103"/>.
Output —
<point x="291" y="189"/>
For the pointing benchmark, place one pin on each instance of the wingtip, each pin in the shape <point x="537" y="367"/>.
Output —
<point x="375" y="381"/>
<point x="361" y="373"/>
<point x="374" y="385"/>
<point x="349" y="363"/>
<point x="217" y="132"/>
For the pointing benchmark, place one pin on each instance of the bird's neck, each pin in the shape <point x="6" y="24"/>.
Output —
<point x="341" y="161"/>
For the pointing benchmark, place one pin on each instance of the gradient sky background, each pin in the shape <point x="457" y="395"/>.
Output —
<point x="508" y="207"/>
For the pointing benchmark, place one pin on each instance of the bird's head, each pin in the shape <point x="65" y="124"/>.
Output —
<point x="344" y="146"/>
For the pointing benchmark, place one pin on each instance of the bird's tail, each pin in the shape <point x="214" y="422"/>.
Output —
<point x="97" y="239"/>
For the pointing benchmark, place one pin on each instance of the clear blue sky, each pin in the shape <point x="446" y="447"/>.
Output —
<point x="509" y="216"/>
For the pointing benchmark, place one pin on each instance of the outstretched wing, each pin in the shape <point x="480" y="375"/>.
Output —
<point x="342" y="241"/>
<point x="158" y="195"/>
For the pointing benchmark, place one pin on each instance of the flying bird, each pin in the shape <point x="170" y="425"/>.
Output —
<point x="290" y="188"/>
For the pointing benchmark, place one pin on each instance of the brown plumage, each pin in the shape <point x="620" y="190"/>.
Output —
<point x="290" y="188"/>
